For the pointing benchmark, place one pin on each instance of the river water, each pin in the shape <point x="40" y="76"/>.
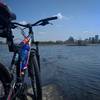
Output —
<point x="75" y="69"/>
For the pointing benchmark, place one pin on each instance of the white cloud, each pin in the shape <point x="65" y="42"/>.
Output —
<point x="23" y="22"/>
<point x="60" y="16"/>
<point x="88" y="32"/>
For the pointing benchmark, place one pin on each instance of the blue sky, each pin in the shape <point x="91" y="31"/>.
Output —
<point x="80" y="18"/>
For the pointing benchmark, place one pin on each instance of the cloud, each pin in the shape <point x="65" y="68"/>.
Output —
<point x="90" y="32"/>
<point x="87" y="32"/>
<point x="23" y="22"/>
<point x="60" y="16"/>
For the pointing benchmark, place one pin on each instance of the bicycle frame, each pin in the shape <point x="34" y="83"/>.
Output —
<point x="22" y="62"/>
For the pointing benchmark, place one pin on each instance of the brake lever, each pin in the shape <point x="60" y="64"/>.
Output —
<point x="43" y="23"/>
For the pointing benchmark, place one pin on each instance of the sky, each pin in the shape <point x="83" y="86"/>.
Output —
<point x="78" y="18"/>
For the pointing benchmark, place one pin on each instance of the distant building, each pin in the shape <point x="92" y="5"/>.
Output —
<point x="93" y="40"/>
<point x="96" y="38"/>
<point x="70" y="39"/>
<point x="90" y="38"/>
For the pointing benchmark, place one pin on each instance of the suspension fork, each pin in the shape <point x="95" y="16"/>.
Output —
<point x="37" y="53"/>
<point x="36" y="44"/>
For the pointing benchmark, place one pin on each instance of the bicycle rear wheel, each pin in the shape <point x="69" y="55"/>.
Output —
<point x="34" y="74"/>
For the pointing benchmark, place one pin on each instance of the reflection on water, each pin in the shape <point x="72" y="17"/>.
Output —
<point x="75" y="69"/>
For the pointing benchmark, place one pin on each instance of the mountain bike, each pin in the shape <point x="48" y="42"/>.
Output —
<point x="25" y="61"/>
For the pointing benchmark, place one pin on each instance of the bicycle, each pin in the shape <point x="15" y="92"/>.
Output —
<point x="25" y="59"/>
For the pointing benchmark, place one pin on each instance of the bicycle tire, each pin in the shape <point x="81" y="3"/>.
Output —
<point x="34" y="74"/>
<point x="5" y="80"/>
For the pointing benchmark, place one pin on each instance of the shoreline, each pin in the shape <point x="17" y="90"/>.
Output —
<point x="47" y="44"/>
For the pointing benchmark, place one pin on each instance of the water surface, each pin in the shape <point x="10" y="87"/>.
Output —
<point x="75" y="69"/>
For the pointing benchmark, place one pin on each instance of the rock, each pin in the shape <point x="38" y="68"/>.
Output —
<point x="51" y="92"/>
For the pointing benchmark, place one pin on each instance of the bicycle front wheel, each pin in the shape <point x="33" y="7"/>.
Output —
<point x="5" y="80"/>
<point x="34" y="73"/>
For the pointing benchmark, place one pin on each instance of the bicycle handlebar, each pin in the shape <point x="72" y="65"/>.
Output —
<point x="42" y="22"/>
